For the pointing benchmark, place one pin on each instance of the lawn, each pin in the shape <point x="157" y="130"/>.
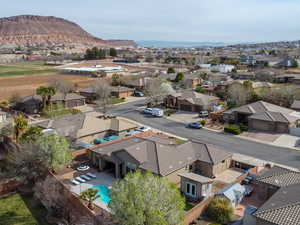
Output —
<point x="25" y="68"/>
<point x="21" y="210"/>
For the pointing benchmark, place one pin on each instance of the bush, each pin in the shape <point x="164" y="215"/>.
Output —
<point x="199" y="89"/>
<point x="4" y="103"/>
<point x="203" y="122"/>
<point x="220" y="210"/>
<point x="168" y="112"/>
<point x="243" y="127"/>
<point x="232" y="130"/>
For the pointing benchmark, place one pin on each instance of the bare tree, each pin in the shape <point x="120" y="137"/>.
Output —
<point x="239" y="93"/>
<point x="102" y="90"/>
<point x="157" y="90"/>
<point x="62" y="86"/>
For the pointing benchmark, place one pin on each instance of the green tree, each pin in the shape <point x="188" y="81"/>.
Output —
<point x="20" y="126"/>
<point x="90" y="195"/>
<point x="113" y="52"/>
<point x="171" y="70"/>
<point x="143" y="198"/>
<point x="58" y="149"/>
<point x="32" y="134"/>
<point x="51" y="93"/>
<point x="43" y="92"/>
<point x="200" y="89"/>
<point x="116" y="79"/>
<point x="294" y="63"/>
<point x="220" y="210"/>
<point x="179" y="77"/>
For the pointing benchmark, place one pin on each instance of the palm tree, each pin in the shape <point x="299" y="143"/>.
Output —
<point x="20" y="125"/>
<point x="90" y="195"/>
<point x="43" y="92"/>
<point x="51" y="92"/>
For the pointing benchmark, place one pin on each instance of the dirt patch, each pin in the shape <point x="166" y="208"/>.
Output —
<point x="26" y="85"/>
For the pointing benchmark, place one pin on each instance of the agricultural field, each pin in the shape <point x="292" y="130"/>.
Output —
<point x="25" y="68"/>
<point x="25" y="77"/>
<point x="21" y="210"/>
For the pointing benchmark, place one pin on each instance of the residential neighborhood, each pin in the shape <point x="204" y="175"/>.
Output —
<point x="99" y="128"/>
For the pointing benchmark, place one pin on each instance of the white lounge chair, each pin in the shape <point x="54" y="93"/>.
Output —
<point x="80" y="179"/>
<point x="91" y="175"/>
<point x="75" y="182"/>
<point x="85" y="177"/>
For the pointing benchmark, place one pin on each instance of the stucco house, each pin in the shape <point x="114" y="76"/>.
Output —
<point x="263" y="116"/>
<point x="32" y="104"/>
<point x="86" y="127"/>
<point x="152" y="154"/>
<point x="191" y="101"/>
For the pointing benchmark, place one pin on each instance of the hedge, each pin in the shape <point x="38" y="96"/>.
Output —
<point x="232" y="130"/>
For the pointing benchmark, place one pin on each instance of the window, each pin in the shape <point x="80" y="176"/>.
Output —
<point x="190" y="189"/>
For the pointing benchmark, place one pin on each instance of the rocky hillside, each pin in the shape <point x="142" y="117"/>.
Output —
<point x="28" y="30"/>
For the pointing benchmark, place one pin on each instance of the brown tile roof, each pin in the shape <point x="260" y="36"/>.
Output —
<point x="161" y="158"/>
<point x="194" y="97"/>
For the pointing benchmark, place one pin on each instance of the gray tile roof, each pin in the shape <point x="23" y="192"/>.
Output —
<point x="196" y="177"/>
<point x="283" y="208"/>
<point x="279" y="177"/>
<point x="194" y="97"/>
<point x="36" y="99"/>
<point x="274" y="117"/>
<point x="161" y="158"/>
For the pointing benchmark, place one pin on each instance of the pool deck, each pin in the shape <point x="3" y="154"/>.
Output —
<point x="104" y="179"/>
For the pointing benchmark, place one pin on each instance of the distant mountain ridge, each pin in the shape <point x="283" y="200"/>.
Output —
<point x="30" y="30"/>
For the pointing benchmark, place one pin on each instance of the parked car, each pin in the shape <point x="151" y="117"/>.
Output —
<point x="195" y="125"/>
<point x="203" y="114"/>
<point x="138" y="94"/>
<point x="147" y="111"/>
<point x="249" y="190"/>
<point x="143" y="129"/>
<point x="157" y="112"/>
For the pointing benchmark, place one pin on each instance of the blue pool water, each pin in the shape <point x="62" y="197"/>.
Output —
<point x="103" y="191"/>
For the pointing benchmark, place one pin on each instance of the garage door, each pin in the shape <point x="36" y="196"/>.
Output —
<point x="260" y="125"/>
<point x="186" y="107"/>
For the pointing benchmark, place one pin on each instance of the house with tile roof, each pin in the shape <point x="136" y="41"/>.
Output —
<point x="33" y="104"/>
<point x="86" y="127"/>
<point x="280" y="187"/>
<point x="263" y="116"/>
<point x="191" y="101"/>
<point x="167" y="160"/>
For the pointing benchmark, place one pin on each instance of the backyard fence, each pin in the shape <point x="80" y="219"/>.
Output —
<point x="197" y="211"/>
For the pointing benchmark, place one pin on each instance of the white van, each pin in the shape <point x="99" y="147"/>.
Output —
<point x="157" y="112"/>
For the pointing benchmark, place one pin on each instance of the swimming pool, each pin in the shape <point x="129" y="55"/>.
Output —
<point x="103" y="191"/>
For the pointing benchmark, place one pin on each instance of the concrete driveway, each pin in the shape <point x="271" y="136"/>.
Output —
<point x="184" y="117"/>
<point x="287" y="140"/>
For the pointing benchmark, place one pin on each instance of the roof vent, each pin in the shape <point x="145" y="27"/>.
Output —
<point x="180" y="162"/>
<point x="171" y="167"/>
<point x="189" y="158"/>
<point x="138" y="148"/>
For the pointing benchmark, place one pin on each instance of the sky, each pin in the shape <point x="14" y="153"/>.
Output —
<point x="172" y="20"/>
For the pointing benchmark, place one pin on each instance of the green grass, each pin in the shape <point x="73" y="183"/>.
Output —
<point x="116" y="100"/>
<point x="188" y="206"/>
<point x="62" y="112"/>
<point x="21" y="210"/>
<point x="25" y="68"/>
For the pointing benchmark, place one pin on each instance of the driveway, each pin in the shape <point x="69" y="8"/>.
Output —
<point x="184" y="117"/>
<point x="287" y="140"/>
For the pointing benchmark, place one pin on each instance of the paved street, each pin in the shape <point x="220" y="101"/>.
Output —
<point x="281" y="155"/>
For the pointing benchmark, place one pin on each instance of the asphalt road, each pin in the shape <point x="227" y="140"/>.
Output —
<point x="285" y="156"/>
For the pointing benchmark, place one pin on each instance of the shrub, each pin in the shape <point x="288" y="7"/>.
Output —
<point x="232" y="129"/>
<point x="220" y="210"/>
<point x="243" y="127"/>
<point x="203" y="122"/>
<point x="200" y="89"/>
<point x="4" y="103"/>
<point x="169" y="112"/>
